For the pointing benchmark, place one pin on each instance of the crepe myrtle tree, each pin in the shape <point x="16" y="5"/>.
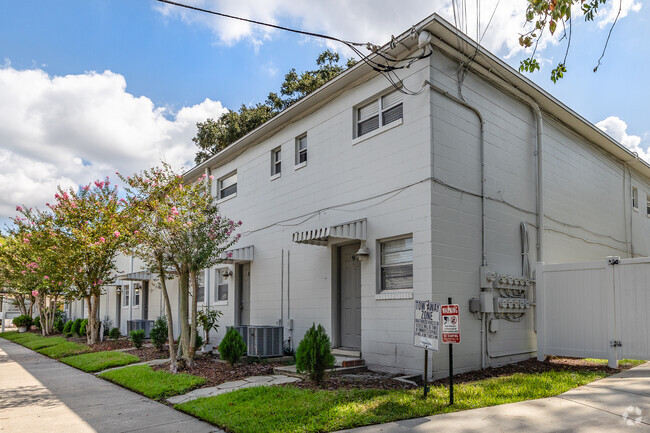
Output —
<point x="17" y="273"/>
<point x="92" y="222"/>
<point x="180" y="227"/>
<point x="46" y="268"/>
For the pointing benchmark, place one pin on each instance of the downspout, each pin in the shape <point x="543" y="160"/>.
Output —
<point x="483" y="201"/>
<point x="207" y="272"/>
<point x="282" y="289"/>
<point x="131" y="297"/>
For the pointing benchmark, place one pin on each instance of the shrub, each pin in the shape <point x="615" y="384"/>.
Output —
<point x="108" y="324"/>
<point x="82" y="328"/>
<point x="137" y="337"/>
<point x="199" y="341"/>
<point x="67" y="328"/>
<point x="37" y="322"/>
<point x="114" y="333"/>
<point x="23" y="320"/>
<point x="313" y="355"/>
<point x="58" y="325"/>
<point x="76" y="327"/>
<point x="232" y="347"/>
<point x="67" y="334"/>
<point x="158" y="333"/>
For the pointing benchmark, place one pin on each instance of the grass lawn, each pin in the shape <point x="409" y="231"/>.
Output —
<point x="625" y="363"/>
<point x="156" y="384"/>
<point x="64" y="349"/>
<point x="41" y="342"/>
<point x="290" y="409"/>
<point x="98" y="361"/>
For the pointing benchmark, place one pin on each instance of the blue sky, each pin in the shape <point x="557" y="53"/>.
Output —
<point x="91" y="87"/>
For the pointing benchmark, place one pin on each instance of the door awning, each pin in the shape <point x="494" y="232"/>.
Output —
<point x="135" y="276"/>
<point x="238" y="255"/>
<point x="320" y="236"/>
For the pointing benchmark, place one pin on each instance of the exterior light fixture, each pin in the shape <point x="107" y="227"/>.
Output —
<point x="226" y="273"/>
<point x="118" y="290"/>
<point x="363" y="252"/>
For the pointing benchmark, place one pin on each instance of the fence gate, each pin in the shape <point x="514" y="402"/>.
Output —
<point x="594" y="310"/>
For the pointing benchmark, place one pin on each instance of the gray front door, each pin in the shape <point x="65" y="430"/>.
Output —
<point x="350" y="295"/>
<point x="244" y="294"/>
<point x="145" y="300"/>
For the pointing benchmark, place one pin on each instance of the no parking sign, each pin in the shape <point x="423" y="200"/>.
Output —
<point x="450" y="324"/>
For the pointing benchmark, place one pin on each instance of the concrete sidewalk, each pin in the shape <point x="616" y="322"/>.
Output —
<point x="619" y="403"/>
<point x="42" y="395"/>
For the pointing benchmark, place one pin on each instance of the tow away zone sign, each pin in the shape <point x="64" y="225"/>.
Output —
<point x="427" y="325"/>
<point x="450" y="324"/>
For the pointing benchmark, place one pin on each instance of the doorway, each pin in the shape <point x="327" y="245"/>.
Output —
<point x="145" y="300"/>
<point x="118" y="308"/>
<point x="244" y="293"/>
<point x="350" y="297"/>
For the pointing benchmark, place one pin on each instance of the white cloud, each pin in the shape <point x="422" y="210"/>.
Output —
<point x="608" y="14"/>
<point x="69" y="130"/>
<point x="617" y="129"/>
<point x="371" y="20"/>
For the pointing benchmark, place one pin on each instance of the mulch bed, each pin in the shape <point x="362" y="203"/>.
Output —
<point x="372" y="380"/>
<point x="110" y="345"/>
<point x="217" y="372"/>
<point x="149" y="353"/>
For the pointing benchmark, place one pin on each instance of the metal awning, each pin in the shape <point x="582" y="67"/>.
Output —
<point x="135" y="276"/>
<point x="238" y="255"/>
<point x="350" y="230"/>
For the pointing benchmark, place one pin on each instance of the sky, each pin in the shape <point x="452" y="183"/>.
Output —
<point x="88" y="88"/>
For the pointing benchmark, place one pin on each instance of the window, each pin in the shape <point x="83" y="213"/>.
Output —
<point x="126" y="293"/>
<point x="397" y="264"/>
<point x="647" y="211"/>
<point x="276" y="162"/>
<point x="228" y="186"/>
<point x="200" y="290"/>
<point x="136" y="295"/>
<point x="221" y="289"/>
<point x="380" y="112"/>
<point x="301" y="150"/>
<point x="635" y="198"/>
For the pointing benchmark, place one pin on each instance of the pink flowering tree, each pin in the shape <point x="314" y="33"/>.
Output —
<point x="17" y="279"/>
<point x="94" y="226"/>
<point x="182" y="229"/>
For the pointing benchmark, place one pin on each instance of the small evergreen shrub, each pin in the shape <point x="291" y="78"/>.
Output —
<point x="24" y="320"/>
<point x="67" y="328"/>
<point x="58" y="325"/>
<point x="114" y="333"/>
<point x="67" y="334"/>
<point x="199" y="341"/>
<point x="232" y="347"/>
<point x="158" y="333"/>
<point x="137" y="337"/>
<point x="313" y="355"/>
<point x="76" y="327"/>
<point x="37" y="322"/>
<point x="82" y="328"/>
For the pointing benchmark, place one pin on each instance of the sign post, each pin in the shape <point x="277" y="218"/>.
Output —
<point x="426" y="331"/>
<point x="451" y="336"/>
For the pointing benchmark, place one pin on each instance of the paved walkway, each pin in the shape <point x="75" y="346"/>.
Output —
<point x="42" y="395"/>
<point x="249" y="382"/>
<point x="619" y="403"/>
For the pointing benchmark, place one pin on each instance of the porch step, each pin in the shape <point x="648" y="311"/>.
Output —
<point x="346" y="352"/>
<point x="347" y="358"/>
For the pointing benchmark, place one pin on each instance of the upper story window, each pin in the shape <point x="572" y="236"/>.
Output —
<point x="200" y="290"/>
<point x="227" y="186"/>
<point x="221" y="289"/>
<point x="276" y="162"/>
<point x="635" y="198"/>
<point x="301" y="150"/>
<point x="397" y="264"/>
<point x="647" y="211"/>
<point x="380" y="112"/>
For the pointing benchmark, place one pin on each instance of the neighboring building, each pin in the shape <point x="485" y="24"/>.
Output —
<point x="360" y="199"/>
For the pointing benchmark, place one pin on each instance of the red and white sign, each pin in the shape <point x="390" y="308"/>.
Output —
<point x="450" y="323"/>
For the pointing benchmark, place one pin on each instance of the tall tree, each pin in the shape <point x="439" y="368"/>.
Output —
<point x="215" y="135"/>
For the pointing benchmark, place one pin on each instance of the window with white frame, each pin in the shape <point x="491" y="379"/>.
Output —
<point x="126" y="295"/>
<point x="647" y="210"/>
<point x="136" y="295"/>
<point x="228" y="186"/>
<point x="221" y="286"/>
<point x="397" y="264"/>
<point x="635" y="197"/>
<point x="380" y="112"/>
<point x="276" y="162"/>
<point x="301" y="149"/>
<point x="200" y="289"/>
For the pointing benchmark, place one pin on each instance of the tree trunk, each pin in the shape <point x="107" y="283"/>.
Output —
<point x="184" y="340"/>
<point x="92" y="329"/>
<point x="31" y="306"/>
<point x="193" y="330"/>
<point x="170" y="323"/>
<point x="19" y="300"/>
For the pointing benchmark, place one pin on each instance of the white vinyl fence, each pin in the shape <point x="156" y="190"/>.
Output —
<point x="594" y="310"/>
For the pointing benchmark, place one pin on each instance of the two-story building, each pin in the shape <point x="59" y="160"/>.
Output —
<point x="369" y="194"/>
